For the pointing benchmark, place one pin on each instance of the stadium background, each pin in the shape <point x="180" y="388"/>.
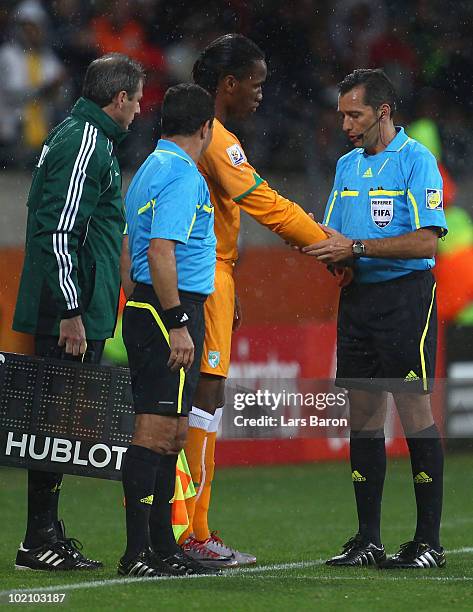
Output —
<point x="289" y="302"/>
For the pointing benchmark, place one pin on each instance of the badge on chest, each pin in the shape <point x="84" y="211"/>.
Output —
<point x="382" y="211"/>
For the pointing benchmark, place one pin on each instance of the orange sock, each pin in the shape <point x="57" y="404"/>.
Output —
<point x="200" y="522"/>
<point x="193" y="449"/>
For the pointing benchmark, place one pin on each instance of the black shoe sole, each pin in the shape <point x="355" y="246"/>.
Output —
<point x="411" y="567"/>
<point x="49" y="569"/>
<point x="376" y="564"/>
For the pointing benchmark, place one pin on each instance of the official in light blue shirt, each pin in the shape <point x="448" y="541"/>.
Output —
<point x="384" y="216"/>
<point x="396" y="191"/>
<point x="168" y="198"/>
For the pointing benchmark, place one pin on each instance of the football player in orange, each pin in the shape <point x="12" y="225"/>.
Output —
<point x="233" y="69"/>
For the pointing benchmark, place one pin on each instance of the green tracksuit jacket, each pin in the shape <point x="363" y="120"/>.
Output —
<point x="74" y="229"/>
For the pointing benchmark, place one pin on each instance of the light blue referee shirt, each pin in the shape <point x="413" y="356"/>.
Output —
<point x="169" y="198"/>
<point x="388" y="194"/>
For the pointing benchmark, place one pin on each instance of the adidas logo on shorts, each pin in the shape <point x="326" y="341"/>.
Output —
<point x="422" y="477"/>
<point x="357" y="477"/>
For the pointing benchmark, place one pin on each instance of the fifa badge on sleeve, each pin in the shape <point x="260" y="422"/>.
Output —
<point x="434" y="199"/>
<point x="236" y="155"/>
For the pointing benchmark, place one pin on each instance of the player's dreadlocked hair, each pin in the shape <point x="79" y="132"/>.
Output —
<point x="230" y="54"/>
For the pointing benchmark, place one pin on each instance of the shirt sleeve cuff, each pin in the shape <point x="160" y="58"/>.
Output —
<point x="68" y="314"/>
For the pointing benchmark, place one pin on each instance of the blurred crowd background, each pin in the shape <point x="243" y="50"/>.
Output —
<point x="424" y="45"/>
<point x="294" y="140"/>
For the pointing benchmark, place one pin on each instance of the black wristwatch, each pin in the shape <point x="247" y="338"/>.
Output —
<point x="358" y="249"/>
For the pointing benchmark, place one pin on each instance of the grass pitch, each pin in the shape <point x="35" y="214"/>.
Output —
<point x="291" y="517"/>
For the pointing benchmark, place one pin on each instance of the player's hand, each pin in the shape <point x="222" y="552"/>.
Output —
<point x="335" y="249"/>
<point x="237" y="314"/>
<point x="72" y="336"/>
<point x="182" y="349"/>
<point x="343" y="274"/>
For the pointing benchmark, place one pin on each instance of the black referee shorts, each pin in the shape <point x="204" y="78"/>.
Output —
<point x="387" y="335"/>
<point x="156" y="389"/>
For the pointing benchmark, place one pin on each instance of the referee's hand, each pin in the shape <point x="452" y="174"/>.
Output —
<point x="337" y="248"/>
<point x="182" y="349"/>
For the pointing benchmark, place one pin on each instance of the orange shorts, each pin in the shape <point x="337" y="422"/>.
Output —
<point x="219" y="308"/>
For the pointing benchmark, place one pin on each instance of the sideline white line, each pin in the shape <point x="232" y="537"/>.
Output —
<point x="458" y="551"/>
<point x="277" y="566"/>
<point x="125" y="581"/>
<point x="251" y="571"/>
<point x="386" y="576"/>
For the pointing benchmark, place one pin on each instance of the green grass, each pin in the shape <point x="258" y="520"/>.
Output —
<point x="285" y="515"/>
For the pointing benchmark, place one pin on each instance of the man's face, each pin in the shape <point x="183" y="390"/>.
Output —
<point x="248" y="92"/>
<point x="130" y="107"/>
<point x="360" y="122"/>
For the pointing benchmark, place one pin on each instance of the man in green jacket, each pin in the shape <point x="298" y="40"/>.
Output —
<point x="70" y="283"/>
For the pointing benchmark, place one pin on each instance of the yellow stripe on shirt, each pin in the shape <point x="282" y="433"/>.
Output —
<point x="385" y="192"/>
<point x="146" y="206"/>
<point x="335" y="193"/>
<point x="414" y="206"/>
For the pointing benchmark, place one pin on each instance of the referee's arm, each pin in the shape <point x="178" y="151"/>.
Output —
<point x="162" y="267"/>
<point x="420" y="244"/>
<point x="62" y="219"/>
<point x="163" y="271"/>
<point x="125" y="269"/>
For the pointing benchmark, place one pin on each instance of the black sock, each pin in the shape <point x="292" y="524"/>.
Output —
<point x="43" y="497"/>
<point x="139" y="477"/>
<point x="160" y="523"/>
<point x="368" y="464"/>
<point x="426" y="452"/>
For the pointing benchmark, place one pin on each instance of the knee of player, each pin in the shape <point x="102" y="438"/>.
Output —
<point x="210" y="392"/>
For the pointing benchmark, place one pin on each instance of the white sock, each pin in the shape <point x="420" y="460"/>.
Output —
<point x="217" y="417"/>
<point x="200" y="419"/>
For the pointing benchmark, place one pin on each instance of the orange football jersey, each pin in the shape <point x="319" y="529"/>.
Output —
<point x="235" y="184"/>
